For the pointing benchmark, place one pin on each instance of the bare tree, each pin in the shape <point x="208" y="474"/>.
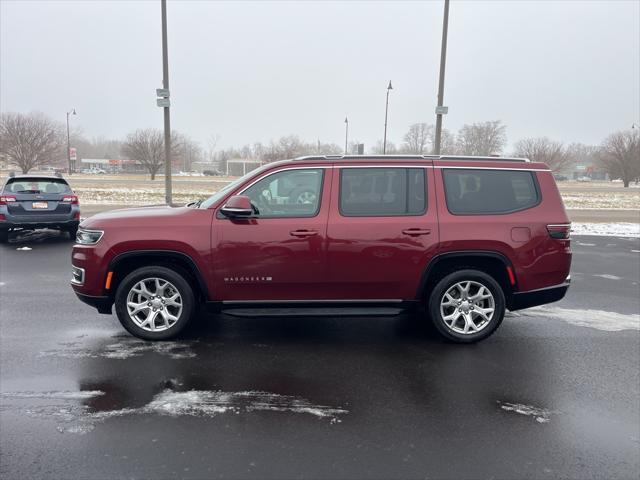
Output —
<point x="147" y="147"/>
<point x="29" y="140"/>
<point x="545" y="150"/>
<point x="448" y="143"/>
<point x="419" y="139"/>
<point x="485" y="138"/>
<point x="378" y="149"/>
<point x="620" y="155"/>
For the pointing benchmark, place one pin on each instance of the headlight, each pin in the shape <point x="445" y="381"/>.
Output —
<point x="88" y="237"/>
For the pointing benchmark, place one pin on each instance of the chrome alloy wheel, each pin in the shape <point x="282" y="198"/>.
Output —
<point x="467" y="307"/>
<point x="154" y="304"/>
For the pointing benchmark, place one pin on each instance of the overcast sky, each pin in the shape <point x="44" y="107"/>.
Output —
<point x="253" y="71"/>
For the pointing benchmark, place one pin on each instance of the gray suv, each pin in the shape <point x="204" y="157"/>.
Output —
<point x="28" y="202"/>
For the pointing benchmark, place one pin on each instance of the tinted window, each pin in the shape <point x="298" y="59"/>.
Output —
<point x="290" y="193"/>
<point x="489" y="191"/>
<point x="382" y="191"/>
<point x="36" y="185"/>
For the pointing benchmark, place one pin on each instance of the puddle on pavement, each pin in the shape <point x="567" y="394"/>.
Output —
<point x="80" y="418"/>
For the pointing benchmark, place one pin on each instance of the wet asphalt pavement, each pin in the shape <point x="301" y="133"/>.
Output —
<point x="555" y="393"/>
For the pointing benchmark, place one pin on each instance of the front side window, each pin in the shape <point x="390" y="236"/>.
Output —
<point x="289" y="193"/>
<point x="474" y="191"/>
<point x="382" y="192"/>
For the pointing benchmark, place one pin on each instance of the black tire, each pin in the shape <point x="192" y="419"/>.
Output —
<point x="72" y="233"/>
<point x="449" y="281"/>
<point x="181" y="285"/>
<point x="4" y="236"/>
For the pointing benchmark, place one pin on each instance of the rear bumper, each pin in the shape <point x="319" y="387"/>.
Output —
<point x="541" y="296"/>
<point x="39" y="223"/>
<point x="102" y="304"/>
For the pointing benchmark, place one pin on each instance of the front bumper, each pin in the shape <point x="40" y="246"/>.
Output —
<point x="102" y="304"/>
<point x="541" y="296"/>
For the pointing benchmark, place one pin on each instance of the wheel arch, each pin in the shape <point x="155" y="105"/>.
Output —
<point x="493" y="263"/>
<point x="124" y="263"/>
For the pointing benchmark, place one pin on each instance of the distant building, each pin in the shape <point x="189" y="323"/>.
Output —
<point x="240" y="166"/>
<point x="113" y="165"/>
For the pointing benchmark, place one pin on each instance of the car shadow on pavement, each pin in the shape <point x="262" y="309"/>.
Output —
<point x="46" y="236"/>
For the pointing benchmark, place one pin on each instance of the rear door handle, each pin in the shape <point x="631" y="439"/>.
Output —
<point x="303" y="233"/>
<point x="414" y="232"/>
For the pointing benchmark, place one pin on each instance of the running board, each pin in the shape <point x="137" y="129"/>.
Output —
<point x="314" y="312"/>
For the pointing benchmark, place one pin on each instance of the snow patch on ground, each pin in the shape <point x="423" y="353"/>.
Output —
<point x="586" y="244"/>
<point x="124" y="349"/>
<point x="627" y="230"/>
<point x="540" y="414"/>
<point x="65" y="395"/>
<point x="79" y="419"/>
<point x="607" y="276"/>
<point x="598" y="319"/>
<point x="24" y="249"/>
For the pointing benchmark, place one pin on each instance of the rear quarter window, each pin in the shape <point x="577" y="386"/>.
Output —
<point x="478" y="192"/>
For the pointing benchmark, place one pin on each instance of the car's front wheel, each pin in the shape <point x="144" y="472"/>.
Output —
<point x="154" y="303"/>
<point x="467" y="306"/>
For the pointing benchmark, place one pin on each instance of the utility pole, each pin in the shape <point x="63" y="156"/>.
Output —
<point x="386" y="113"/>
<point x="346" y="134"/>
<point x="440" y="109"/>
<point x="70" y="112"/>
<point x="167" y="117"/>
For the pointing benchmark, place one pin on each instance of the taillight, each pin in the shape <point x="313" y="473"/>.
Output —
<point x="560" y="231"/>
<point x="2" y="218"/>
<point x="4" y="199"/>
<point x="72" y="199"/>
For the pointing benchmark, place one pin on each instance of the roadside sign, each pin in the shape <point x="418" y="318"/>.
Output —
<point x="163" y="102"/>
<point x="442" y="110"/>
<point x="162" y="92"/>
<point x="73" y="155"/>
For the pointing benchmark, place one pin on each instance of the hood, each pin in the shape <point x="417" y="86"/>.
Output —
<point x="135" y="216"/>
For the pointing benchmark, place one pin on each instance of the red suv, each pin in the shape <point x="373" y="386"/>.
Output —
<point x="465" y="237"/>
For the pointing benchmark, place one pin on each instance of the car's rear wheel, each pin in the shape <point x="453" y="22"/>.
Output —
<point x="467" y="306"/>
<point x="73" y="231"/>
<point x="154" y="303"/>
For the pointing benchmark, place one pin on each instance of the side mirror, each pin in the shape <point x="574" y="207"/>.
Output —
<point x="237" y="206"/>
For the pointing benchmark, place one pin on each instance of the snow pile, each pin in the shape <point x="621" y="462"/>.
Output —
<point x="631" y="230"/>
<point x="540" y="414"/>
<point x="598" y="319"/>
<point x="65" y="395"/>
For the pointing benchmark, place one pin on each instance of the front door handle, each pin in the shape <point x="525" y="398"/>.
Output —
<point x="414" y="232"/>
<point x="303" y="233"/>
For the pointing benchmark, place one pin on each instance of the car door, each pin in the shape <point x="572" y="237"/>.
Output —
<point x="279" y="253"/>
<point x="383" y="230"/>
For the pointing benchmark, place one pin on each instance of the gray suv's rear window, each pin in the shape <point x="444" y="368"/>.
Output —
<point x="36" y="185"/>
<point x="475" y="191"/>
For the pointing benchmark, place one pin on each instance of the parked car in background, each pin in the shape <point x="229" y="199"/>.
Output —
<point x="560" y="178"/>
<point x="93" y="171"/>
<point x="460" y="238"/>
<point x="29" y="202"/>
<point x="212" y="173"/>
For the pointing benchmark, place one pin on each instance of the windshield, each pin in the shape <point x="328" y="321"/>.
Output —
<point x="227" y="188"/>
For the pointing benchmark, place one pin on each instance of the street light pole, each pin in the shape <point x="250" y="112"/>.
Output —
<point x="167" y="119"/>
<point x="443" y="59"/>
<point x="386" y="113"/>
<point x="70" y="112"/>
<point x="346" y="134"/>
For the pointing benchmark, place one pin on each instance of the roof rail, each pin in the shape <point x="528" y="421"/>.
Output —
<point x="414" y="157"/>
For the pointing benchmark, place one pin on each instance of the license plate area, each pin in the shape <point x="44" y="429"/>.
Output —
<point x="40" y="205"/>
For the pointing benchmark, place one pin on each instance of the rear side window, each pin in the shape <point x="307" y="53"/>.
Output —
<point x="382" y="192"/>
<point x="475" y="191"/>
<point x="37" y="185"/>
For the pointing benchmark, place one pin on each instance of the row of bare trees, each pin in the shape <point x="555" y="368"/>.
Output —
<point x="30" y="140"/>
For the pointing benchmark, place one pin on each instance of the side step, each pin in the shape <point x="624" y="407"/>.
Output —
<point x="314" y="312"/>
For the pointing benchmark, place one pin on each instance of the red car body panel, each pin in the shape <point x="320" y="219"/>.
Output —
<point x="330" y="256"/>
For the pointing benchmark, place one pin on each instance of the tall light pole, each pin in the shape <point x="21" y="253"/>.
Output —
<point x="440" y="110"/>
<point x="167" y="119"/>
<point x="70" y="112"/>
<point x="386" y="114"/>
<point x="346" y="134"/>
